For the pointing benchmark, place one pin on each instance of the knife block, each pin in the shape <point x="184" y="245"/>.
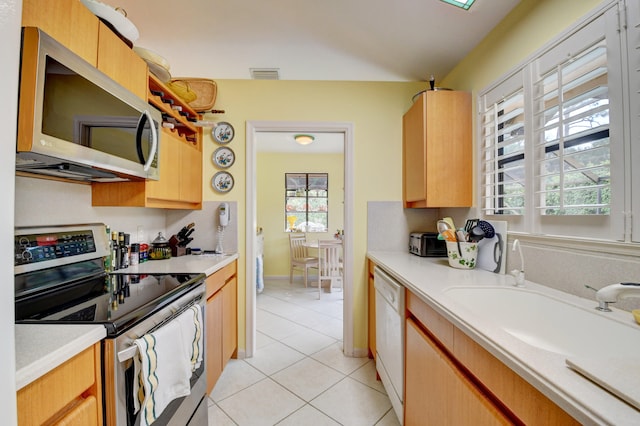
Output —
<point x="175" y="249"/>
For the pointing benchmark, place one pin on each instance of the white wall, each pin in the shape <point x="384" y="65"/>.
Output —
<point x="46" y="202"/>
<point x="10" y="15"/>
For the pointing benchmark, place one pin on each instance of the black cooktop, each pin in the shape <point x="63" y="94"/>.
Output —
<point x="83" y="293"/>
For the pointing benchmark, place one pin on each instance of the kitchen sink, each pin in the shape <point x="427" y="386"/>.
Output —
<point x="549" y="323"/>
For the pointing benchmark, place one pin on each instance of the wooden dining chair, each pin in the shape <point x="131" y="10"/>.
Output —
<point x="329" y="264"/>
<point x="300" y="258"/>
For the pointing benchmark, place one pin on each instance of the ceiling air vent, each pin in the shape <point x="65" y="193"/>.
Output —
<point x="265" y="73"/>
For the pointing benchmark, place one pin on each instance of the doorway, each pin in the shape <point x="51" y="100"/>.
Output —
<point x="253" y="129"/>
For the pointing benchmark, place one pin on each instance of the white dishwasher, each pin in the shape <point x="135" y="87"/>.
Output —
<point x="390" y="315"/>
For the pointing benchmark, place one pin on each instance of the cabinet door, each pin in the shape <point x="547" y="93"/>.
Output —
<point x="414" y="140"/>
<point x="213" y="337"/>
<point x="84" y="414"/>
<point x="67" y="21"/>
<point x="61" y="389"/>
<point x="229" y="320"/>
<point x="168" y="186"/>
<point x="121" y="63"/>
<point x="191" y="174"/>
<point x="437" y="148"/>
<point x="437" y="393"/>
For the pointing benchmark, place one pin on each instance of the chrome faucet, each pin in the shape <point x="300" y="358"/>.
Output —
<point x="518" y="274"/>
<point x="614" y="292"/>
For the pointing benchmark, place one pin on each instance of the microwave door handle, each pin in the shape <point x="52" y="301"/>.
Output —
<point x="154" y="140"/>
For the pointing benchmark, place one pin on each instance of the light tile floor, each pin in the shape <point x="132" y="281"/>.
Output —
<point x="299" y="375"/>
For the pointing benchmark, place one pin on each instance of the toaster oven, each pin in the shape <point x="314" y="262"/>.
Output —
<point x="427" y="244"/>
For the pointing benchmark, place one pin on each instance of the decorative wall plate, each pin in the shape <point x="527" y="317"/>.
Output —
<point x="224" y="157"/>
<point x="223" y="132"/>
<point x="222" y="182"/>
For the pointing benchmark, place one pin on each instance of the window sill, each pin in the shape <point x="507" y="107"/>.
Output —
<point x="582" y="245"/>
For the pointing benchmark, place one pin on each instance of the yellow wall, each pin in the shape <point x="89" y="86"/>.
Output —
<point x="271" y="168"/>
<point x="376" y="111"/>
<point x="374" y="108"/>
<point x="528" y="27"/>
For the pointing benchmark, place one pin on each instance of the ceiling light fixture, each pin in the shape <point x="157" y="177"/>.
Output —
<point x="304" y="139"/>
<point x="463" y="4"/>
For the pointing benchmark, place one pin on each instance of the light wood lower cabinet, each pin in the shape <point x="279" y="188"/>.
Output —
<point x="437" y="392"/>
<point x="452" y="380"/>
<point x="221" y="332"/>
<point x="70" y="394"/>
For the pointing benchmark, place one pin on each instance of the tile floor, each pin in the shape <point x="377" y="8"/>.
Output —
<point x="299" y="375"/>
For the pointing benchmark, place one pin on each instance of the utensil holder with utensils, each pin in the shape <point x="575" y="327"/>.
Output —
<point x="462" y="254"/>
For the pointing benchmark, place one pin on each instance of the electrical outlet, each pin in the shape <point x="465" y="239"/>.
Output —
<point x="140" y="233"/>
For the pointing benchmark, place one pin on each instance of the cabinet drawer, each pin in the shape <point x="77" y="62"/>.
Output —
<point x="217" y="280"/>
<point x="439" y="326"/>
<point x="43" y="398"/>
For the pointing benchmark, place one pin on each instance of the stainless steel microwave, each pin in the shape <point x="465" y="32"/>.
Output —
<point x="76" y="122"/>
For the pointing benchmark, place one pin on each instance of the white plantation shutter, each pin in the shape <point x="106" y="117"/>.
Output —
<point x="571" y="131"/>
<point x="559" y="135"/>
<point x="633" y="49"/>
<point x="503" y="150"/>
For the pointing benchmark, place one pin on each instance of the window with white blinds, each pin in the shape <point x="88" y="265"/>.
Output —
<point x="558" y="135"/>
<point x="503" y="154"/>
<point x="572" y="136"/>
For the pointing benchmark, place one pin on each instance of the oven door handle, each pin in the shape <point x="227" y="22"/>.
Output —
<point x="127" y="353"/>
<point x="131" y="350"/>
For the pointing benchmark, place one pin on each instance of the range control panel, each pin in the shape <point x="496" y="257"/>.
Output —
<point x="32" y="248"/>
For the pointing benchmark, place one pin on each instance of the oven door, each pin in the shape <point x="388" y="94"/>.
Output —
<point x="119" y="370"/>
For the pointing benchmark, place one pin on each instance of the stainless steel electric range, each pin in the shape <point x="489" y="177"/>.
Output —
<point x="60" y="278"/>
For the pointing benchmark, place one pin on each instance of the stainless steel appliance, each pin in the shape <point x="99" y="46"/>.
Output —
<point x="390" y="316"/>
<point x="60" y="278"/>
<point x="427" y="244"/>
<point x="76" y="122"/>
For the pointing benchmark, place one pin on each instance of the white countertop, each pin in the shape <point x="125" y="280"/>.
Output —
<point x="42" y="347"/>
<point x="190" y="264"/>
<point x="545" y="370"/>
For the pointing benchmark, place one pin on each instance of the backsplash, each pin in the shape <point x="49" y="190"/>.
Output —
<point x="46" y="202"/>
<point x="389" y="225"/>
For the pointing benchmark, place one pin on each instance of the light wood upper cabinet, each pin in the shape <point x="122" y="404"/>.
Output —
<point x="168" y="186"/>
<point x="70" y="394"/>
<point x="67" y="21"/>
<point x="437" y="151"/>
<point x="121" y="63"/>
<point x="74" y="26"/>
<point x="179" y="186"/>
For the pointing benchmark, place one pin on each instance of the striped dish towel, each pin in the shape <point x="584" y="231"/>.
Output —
<point x="162" y="368"/>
